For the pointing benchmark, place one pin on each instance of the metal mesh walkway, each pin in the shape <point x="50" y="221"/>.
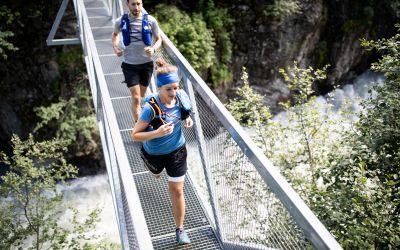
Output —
<point x="153" y="193"/>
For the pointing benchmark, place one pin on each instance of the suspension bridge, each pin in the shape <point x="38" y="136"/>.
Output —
<point x="235" y="197"/>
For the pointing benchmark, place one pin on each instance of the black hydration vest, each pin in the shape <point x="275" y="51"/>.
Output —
<point x="160" y="116"/>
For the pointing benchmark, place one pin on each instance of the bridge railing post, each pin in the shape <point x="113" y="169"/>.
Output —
<point x="201" y="147"/>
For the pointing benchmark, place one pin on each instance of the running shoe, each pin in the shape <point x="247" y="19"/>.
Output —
<point x="181" y="237"/>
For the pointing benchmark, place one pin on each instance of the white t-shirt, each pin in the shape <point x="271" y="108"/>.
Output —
<point x="134" y="52"/>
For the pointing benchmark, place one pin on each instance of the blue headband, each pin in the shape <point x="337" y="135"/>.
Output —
<point x="164" y="79"/>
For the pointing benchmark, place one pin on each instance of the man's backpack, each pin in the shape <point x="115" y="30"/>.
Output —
<point x="126" y="30"/>
<point x="159" y="117"/>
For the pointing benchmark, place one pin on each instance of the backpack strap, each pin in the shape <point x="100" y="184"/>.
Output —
<point x="147" y="36"/>
<point x="158" y="114"/>
<point x="125" y="29"/>
<point x="184" y="104"/>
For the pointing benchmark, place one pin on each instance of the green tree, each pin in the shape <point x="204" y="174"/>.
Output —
<point x="250" y="190"/>
<point x="219" y="20"/>
<point x="249" y="109"/>
<point x="71" y="118"/>
<point x="203" y="37"/>
<point x="7" y="18"/>
<point x="347" y="172"/>
<point x="364" y="180"/>
<point x="30" y="200"/>
<point x="297" y="144"/>
<point x="282" y="9"/>
<point x="190" y="34"/>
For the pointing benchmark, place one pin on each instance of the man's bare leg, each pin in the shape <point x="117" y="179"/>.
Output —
<point x="135" y="92"/>
<point x="143" y="90"/>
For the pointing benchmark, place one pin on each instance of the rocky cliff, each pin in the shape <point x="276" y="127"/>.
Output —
<point x="319" y="33"/>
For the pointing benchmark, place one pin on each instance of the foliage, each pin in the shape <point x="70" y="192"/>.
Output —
<point x="253" y="199"/>
<point x="300" y="82"/>
<point x="214" y="41"/>
<point x="71" y="116"/>
<point x="347" y="173"/>
<point x="33" y="168"/>
<point x="249" y="107"/>
<point x="30" y="200"/>
<point x="8" y="18"/>
<point x="221" y="23"/>
<point x="282" y="9"/>
<point x="355" y="206"/>
<point x="379" y="126"/>
<point x="29" y="22"/>
<point x="394" y="7"/>
<point x="296" y="141"/>
<point x="220" y="73"/>
<point x="190" y="34"/>
<point x="71" y="119"/>
<point x="366" y="179"/>
<point x="70" y="62"/>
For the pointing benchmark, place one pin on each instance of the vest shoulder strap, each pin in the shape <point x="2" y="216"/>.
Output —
<point x="125" y="29"/>
<point x="146" y="30"/>
<point x="184" y="104"/>
<point x="158" y="117"/>
<point x="155" y="107"/>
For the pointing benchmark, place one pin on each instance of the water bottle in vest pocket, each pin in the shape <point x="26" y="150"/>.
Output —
<point x="146" y="30"/>
<point x="125" y="30"/>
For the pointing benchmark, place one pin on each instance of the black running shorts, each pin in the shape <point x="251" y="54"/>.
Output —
<point x="174" y="162"/>
<point x="137" y="73"/>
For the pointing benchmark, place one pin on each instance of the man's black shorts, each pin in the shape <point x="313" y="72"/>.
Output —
<point x="174" y="162"/>
<point x="137" y="73"/>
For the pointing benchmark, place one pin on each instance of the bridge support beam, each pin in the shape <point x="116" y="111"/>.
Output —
<point x="66" y="41"/>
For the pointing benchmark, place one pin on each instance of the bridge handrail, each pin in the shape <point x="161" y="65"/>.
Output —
<point x="103" y="104"/>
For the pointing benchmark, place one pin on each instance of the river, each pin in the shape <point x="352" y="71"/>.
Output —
<point x="87" y="193"/>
